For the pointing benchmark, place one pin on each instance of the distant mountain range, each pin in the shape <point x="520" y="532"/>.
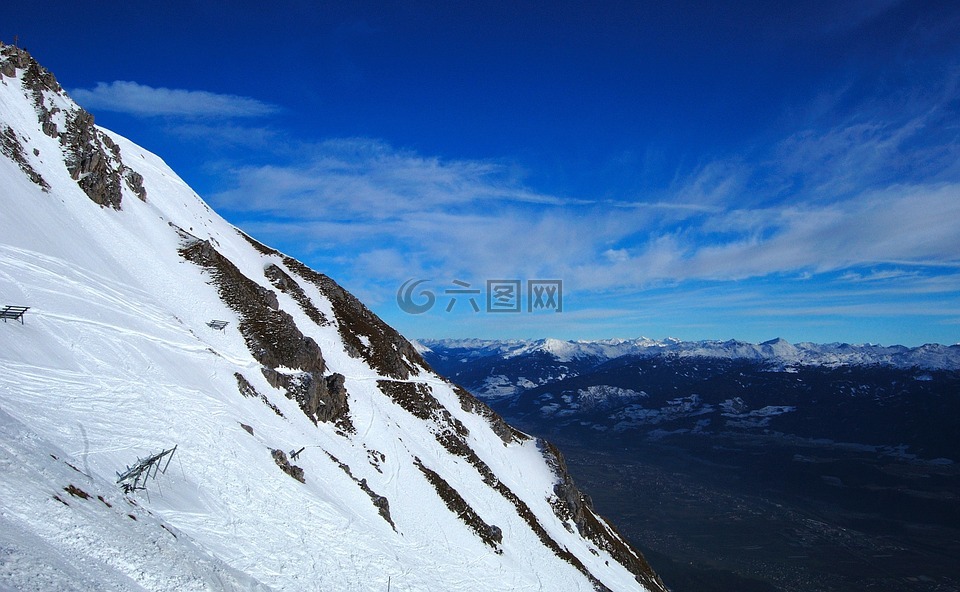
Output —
<point x="486" y="366"/>
<point x="869" y="395"/>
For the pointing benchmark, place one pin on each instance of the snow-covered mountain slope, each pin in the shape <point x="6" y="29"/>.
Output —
<point x="315" y="450"/>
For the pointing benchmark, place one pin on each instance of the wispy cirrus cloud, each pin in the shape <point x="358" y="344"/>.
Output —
<point x="147" y="101"/>
<point x="901" y="224"/>
<point x="389" y="206"/>
<point x="362" y="179"/>
<point x="374" y="216"/>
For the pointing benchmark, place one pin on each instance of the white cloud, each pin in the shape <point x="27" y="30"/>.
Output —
<point x="714" y="183"/>
<point x="616" y="255"/>
<point x="147" y="101"/>
<point x="365" y="179"/>
<point x="394" y="213"/>
<point x="227" y="134"/>
<point x="374" y="217"/>
<point x="845" y="159"/>
<point x="912" y="225"/>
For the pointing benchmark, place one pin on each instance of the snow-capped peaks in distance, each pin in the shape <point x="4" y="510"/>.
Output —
<point x="315" y="450"/>
<point x="776" y="351"/>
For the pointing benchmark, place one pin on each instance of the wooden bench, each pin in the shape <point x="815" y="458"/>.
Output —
<point x="13" y="312"/>
<point x="218" y="325"/>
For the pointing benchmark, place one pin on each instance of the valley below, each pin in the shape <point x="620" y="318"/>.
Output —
<point x="744" y="475"/>
<point x="742" y="514"/>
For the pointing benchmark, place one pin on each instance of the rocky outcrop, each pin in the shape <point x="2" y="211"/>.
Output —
<point x="260" y="247"/>
<point x="381" y="503"/>
<point x="286" y="284"/>
<point x="12" y="148"/>
<point x="488" y="533"/>
<point x="572" y="505"/>
<point x="321" y="398"/>
<point x="363" y="333"/>
<point x="36" y="79"/>
<point x="289" y="359"/>
<point x="91" y="157"/>
<point x="134" y="181"/>
<point x="334" y="399"/>
<point x="91" y="161"/>
<point x="248" y="390"/>
<point x="418" y="399"/>
<point x="271" y="334"/>
<point x="280" y="457"/>
<point x="501" y="428"/>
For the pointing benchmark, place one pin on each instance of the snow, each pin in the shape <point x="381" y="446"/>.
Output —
<point x="115" y="361"/>
<point x="420" y="347"/>
<point x="103" y="542"/>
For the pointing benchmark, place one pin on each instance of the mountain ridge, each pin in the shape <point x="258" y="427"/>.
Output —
<point x="775" y="351"/>
<point x="398" y="475"/>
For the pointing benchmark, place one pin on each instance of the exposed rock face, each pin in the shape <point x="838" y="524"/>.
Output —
<point x="91" y="157"/>
<point x="380" y="502"/>
<point x="134" y="181"/>
<point x="488" y="533"/>
<point x="286" y="284"/>
<point x="271" y="334"/>
<point x="334" y="399"/>
<point x="248" y="390"/>
<point x="323" y="399"/>
<point x="275" y="341"/>
<point x="88" y="158"/>
<point x="362" y="331"/>
<point x="418" y="399"/>
<point x="12" y="148"/>
<point x="572" y="504"/>
<point x="280" y="457"/>
<point x="36" y="79"/>
<point x="507" y="432"/>
<point x="10" y="63"/>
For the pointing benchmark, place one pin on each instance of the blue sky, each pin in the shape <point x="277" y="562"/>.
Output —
<point x="701" y="170"/>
